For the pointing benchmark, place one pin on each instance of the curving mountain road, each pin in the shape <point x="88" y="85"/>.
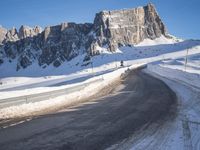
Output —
<point x="139" y="100"/>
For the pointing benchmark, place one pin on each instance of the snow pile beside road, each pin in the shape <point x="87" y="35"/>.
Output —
<point x="184" y="131"/>
<point x="32" y="109"/>
<point x="175" y="74"/>
<point x="193" y="64"/>
<point x="175" y="69"/>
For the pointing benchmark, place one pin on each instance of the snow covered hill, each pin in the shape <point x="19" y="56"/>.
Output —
<point x="72" y="72"/>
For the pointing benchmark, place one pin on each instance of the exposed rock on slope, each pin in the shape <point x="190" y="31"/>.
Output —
<point x="3" y="32"/>
<point x="124" y="27"/>
<point x="13" y="35"/>
<point x="26" y="31"/>
<point x="60" y="43"/>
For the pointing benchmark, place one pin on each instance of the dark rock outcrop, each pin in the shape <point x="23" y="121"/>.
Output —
<point x="62" y="42"/>
<point x="56" y="44"/>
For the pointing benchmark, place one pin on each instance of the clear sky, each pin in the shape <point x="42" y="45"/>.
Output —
<point x="182" y="17"/>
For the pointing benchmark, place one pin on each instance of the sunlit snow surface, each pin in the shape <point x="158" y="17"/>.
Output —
<point x="34" y="74"/>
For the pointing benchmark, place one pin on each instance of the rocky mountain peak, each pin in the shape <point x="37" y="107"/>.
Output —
<point x="127" y="27"/>
<point x="26" y="31"/>
<point x="37" y="29"/>
<point x="56" y="44"/>
<point x="3" y="32"/>
<point x="11" y="35"/>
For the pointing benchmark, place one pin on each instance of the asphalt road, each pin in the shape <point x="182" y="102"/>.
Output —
<point x="139" y="100"/>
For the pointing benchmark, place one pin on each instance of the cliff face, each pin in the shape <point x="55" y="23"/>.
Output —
<point x="13" y="35"/>
<point x="62" y="42"/>
<point x="3" y="32"/>
<point x="127" y="27"/>
<point x="25" y="31"/>
<point x="56" y="44"/>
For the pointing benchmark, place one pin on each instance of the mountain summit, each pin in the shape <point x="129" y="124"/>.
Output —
<point x="57" y="44"/>
<point x="127" y="27"/>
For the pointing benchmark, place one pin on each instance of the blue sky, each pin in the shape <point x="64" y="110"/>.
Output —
<point x="182" y="17"/>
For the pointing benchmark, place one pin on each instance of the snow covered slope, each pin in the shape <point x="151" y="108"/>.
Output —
<point x="73" y="72"/>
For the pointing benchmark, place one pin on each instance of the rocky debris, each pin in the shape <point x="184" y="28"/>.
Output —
<point x="56" y="44"/>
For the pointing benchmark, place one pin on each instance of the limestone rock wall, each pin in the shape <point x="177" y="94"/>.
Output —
<point x="56" y="44"/>
<point x="127" y="27"/>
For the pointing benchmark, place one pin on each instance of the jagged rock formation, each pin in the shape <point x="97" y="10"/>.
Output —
<point x="127" y="27"/>
<point x="3" y="32"/>
<point x="62" y="42"/>
<point x="56" y="44"/>
<point x="26" y="31"/>
<point x="13" y="35"/>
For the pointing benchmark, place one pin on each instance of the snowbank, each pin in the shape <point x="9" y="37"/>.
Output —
<point x="178" y="75"/>
<point x="187" y="88"/>
<point x="75" y="97"/>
